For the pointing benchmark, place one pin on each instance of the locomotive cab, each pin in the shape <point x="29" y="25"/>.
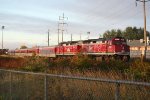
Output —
<point x="120" y="47"/>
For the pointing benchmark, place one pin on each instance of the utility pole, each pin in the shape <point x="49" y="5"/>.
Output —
<point x="58" y="32"/>
<point x="88" y="34"/>
<point x="80" y="36"/>
<point x="48" y="37"/>
<point x="62" y="19"/>
<point x="71" y="37"/>
<point x="145" y="35"/>
<point x="2" y="38"/>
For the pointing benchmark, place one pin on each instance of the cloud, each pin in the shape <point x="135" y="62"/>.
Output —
<point x="33" y="18"/>
<point x="25" y="24"/>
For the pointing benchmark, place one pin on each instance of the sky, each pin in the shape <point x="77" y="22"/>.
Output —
<point x="27" y="21"/>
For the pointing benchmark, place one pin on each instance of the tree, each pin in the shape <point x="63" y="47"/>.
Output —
<point x="119" y="33"/>
<point x="130" y="33"/>
<point x="23" y="47"/>
<point x="112" y="33"/>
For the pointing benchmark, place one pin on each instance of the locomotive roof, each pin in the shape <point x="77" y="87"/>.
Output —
<point x="82" y="41"/>
<point x="88" y="41"/>
<point x="114" y="37"/>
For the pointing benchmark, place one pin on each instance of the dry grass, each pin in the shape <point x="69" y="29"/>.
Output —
<point x="11" y="62"/>
<point x="32" y="86"/>
<point x="81" y="66"/>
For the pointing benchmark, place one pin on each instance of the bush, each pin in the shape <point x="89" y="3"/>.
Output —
<point x="11" y="62"/>
<point x="140" y="70"/>
<point x="115" y="65"/>
<point x="82" y="62"/>
<point x="35" y="64"/>
<point x="133" y="70"/>
<point x="63" y="62"/>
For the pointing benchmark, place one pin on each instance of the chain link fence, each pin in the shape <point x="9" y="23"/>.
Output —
<point x="18" y="85"/>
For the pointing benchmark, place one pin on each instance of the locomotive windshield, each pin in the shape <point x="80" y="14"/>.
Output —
<point x="118" y="41"/>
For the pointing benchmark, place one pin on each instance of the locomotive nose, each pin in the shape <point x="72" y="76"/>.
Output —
<point x="122" y="48"/>
<point x="125" y="48"/>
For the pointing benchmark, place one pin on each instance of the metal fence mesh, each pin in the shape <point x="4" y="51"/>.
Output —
<point x="134" y="92"/>
<point x="69" y="89"/>
<point x="29" y="86"/>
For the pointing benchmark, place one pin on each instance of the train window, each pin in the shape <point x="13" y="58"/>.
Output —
<point x="118" y="42"/>
<point x="124" y="42"/>
<point x="94" y="41"/>
<point x="110" y="42"/>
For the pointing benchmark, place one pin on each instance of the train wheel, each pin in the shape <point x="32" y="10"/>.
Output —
<point x="106" y="58"/>
<point x="99" y="58"/>
<point x="110" y="58"/>
<point x="103" y="58"/>
<point x="126" y="58"/>
<point x="117" y="57"/>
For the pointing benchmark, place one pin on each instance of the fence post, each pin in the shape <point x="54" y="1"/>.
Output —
<point x="27" y="86"/>
<point x="117" y="91"/>
<point x="45" y="87"/>
<point x="10" y="87"/>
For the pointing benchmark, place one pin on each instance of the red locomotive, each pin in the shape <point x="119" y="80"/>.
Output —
<point x="97" y="48"/>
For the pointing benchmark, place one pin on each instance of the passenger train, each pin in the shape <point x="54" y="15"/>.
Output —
<point x="97" y="48"/>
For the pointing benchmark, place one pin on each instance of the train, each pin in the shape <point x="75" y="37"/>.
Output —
<point x="115" y="48"/>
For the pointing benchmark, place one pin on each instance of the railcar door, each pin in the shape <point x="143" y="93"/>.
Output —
<point x="110" y="47"/>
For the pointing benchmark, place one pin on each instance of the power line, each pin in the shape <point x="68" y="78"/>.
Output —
<point x="58" y="32"/>
<point x="116" y="14"/>
<point x="62" y="23"/>
<point x="48" y="37"/>
<point x="111" y="9"/>
<point x="113" y="14"/>
<point x="2" y="38"/>
<point x="110" y="15"/>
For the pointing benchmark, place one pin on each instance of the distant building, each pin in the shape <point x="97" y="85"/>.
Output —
<point x="138" y="44"/>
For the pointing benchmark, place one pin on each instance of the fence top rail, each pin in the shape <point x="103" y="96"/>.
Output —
<point x="81" y="78"/>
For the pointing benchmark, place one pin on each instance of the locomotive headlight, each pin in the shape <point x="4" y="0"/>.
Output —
<point x="122" y="51"/>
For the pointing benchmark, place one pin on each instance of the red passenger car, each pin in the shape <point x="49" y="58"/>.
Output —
<point x="68" y="50"/>
<point x="47" y="51"/>
<point x="110" y="48"/>
<point x="32" y="51"/>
